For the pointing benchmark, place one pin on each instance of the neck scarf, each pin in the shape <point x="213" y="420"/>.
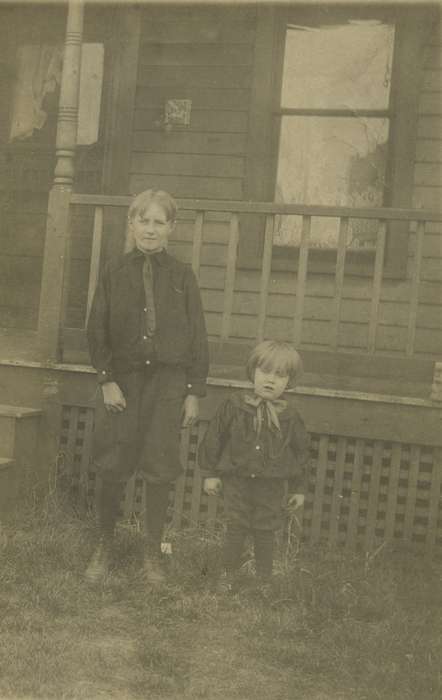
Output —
<point x="266" y="410"/>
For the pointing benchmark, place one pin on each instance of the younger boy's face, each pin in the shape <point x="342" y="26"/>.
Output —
<point x="270" y="384"/>
<point x="151" y="229"/>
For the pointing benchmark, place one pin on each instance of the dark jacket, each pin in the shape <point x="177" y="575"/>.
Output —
<point x="231" y="444"/>
<point x="116" y="326"/>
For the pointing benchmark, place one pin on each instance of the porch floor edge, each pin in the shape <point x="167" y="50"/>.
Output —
<point x="243" y="384"/>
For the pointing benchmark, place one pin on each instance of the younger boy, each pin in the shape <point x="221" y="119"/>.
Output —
<point x="255" y="443"/>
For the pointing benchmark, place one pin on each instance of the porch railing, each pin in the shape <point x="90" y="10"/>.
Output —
<point x="419" y="219"/>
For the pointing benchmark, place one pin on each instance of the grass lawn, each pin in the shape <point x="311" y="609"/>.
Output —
<point x="335" y="627"/>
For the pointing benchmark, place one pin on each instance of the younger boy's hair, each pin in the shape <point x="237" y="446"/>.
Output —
<point x="276" y="356"/>
<point x="143" y="200"/>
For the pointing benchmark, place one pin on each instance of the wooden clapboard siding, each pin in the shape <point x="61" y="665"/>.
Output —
<point x="217" y="166"/>
<point x="202" y="55"/>
<point x="222" y="120"/>
<point x="185" y="185"/>
<point x="428" y="192"/>
<point x="206" y="55"/>
<point x="154" y="54"/>
<point x="212" y="100"/>
<point x="160" y="141"/>
<point x="428" y="168"/>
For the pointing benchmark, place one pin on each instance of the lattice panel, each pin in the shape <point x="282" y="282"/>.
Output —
<point x="360" y="491"/>
<point x="365" y="491"/>
<point x="75" y="473"/>
<point x="188" y="505"/>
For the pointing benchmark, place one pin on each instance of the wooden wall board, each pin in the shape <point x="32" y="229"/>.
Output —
<point x="174" y="32"/>
<point x="429" y="151"/>
<point x="430" y="103"/>
<point x="429" y="173"/>
<point x="186" y="54"/>
<point x="320" y="308"/>
<point x="195" y="76"/>
<point x="13" y="316"/>
<point x="432" y="247"/>
<point x="429" y="126"/>
<point x="221" y="120"/>
<point x="176" y="142"/>
<point x="184" y="185"/>
<point x="432" y="80"/>
<point x="322" y="286"/>
<point x="230" y="99"/>
<point x="188" y="164"/>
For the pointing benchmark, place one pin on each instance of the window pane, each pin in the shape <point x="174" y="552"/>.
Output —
<point x="338" y="66"/>
<point x="330" y="161"/>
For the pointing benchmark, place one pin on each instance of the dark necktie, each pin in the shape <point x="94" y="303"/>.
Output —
<point x="148" y="293"/>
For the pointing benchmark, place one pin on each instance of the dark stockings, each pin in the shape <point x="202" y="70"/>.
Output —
<point x="157" y="501"/>
<point x="233" y="549"/>
<point x="263" y="544"/>
<point x="109" y="507"/>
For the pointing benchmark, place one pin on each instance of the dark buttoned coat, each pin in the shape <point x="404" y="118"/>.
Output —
<point x="154" y="373"/>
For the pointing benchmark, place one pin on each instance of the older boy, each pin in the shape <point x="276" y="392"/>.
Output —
<point x="148" y="343"/>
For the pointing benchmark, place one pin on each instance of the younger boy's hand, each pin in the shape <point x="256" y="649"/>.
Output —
<point x="212" y="486"/>
<point x="113" y="397"/>
<point x="296" y="500"/>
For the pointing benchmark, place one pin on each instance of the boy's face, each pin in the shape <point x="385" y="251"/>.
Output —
<point x="151" y="229"/>
<point x="270" y="384"/>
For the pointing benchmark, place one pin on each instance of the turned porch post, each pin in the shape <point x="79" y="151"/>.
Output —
<point x="56" y="251"/>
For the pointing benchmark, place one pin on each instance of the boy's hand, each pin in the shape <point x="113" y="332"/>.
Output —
<point x="190" y="410"/>
<point x="212" y="486"/>
<point x="296" y="501"/>
<point x="113" y="397"/>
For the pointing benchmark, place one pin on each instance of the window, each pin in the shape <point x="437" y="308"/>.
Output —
<point x="334" y="124"/>
<point x="37" y="86"/>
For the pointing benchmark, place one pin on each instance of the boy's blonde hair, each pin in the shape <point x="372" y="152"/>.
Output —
<point x="277" y="356"/>
<point x="142" y="202"/>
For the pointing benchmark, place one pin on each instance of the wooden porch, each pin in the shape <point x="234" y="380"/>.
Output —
<point x="377" y="453"/>
<point x="369" y="331"/>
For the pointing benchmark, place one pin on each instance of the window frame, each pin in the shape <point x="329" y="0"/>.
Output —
<point x="412" y="24"/>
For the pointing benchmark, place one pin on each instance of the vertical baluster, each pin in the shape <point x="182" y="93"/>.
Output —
<point x="377" y="286"/>
<point x="339" y="281"/>
<point x="94" y="269"/>
<point x="301" y="279"/>
<point x="197" y="242"/>
<point x="265" y="275"/>
<point x="232" y="252"/>
<point x="415" y="280"/>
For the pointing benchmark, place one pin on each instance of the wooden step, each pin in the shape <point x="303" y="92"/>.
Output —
<point x="18" y="426"/>
<point x="7" y="411"/>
